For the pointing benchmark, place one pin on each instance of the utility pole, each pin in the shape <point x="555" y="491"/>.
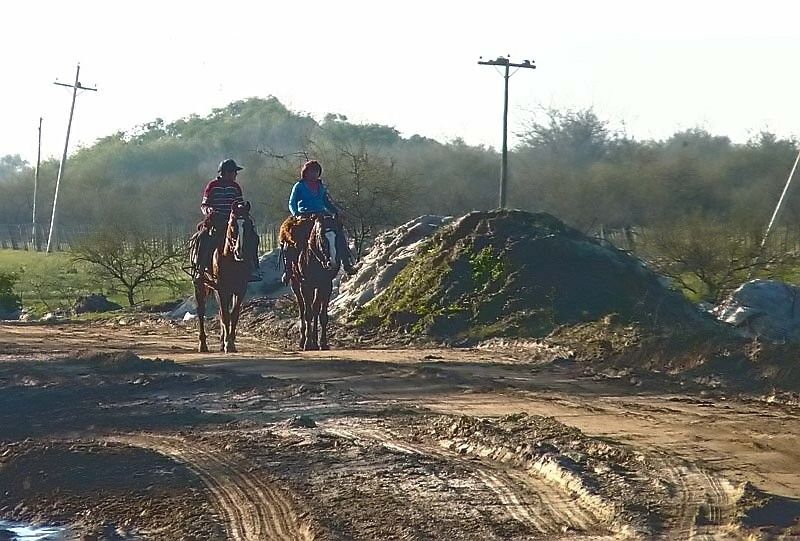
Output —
<point x="75" y="87"/>
<point x="505" y="62"/>
<point x="778" y="210"/>
<point x="34" y="237"/>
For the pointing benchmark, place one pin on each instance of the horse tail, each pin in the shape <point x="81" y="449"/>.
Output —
<point x="193" y="267"/>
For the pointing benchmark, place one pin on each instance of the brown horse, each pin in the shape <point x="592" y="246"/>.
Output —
<point x="312" y="281"/>
<point x="230" y="271"/>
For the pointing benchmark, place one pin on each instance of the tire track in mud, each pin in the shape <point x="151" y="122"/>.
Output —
<point x="701" y="506"/>
<point x="251" y="508"/>
<point x="554" y="502"/>
<point x="535" y="503"/>
<point x="705" y="503"/>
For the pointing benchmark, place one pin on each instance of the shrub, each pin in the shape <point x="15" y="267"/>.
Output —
<point x="9" y="301"/>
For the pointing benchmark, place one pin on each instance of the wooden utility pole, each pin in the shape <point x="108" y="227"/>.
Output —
<point x="506" y="62"/>
<point x="34" y="237"/>
<point x="75" y="87"/>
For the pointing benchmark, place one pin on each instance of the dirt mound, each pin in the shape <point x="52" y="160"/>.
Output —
<point x="513" y="273"/>
<point x="122" y="362"/>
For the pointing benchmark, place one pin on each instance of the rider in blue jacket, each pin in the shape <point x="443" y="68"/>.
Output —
<point x="310" y="196"/>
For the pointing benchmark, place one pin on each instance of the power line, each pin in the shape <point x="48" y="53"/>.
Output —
<point x="506" y="62"/>
<point x="75" y="87"/>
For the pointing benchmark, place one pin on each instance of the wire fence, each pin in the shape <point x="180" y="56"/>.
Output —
<point x="30" y="238"/>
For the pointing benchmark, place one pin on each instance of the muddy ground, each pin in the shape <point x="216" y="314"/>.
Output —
<point x="123" y="432"/>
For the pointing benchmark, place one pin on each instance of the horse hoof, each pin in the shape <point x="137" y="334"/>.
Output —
<point x="203" y="349"/>
<point x="230" y="349"/>
<point x="325" y="347"/>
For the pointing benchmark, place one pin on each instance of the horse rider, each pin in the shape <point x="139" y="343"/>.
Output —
<point x="310" y="196"/>
<point x="218" y="197"/>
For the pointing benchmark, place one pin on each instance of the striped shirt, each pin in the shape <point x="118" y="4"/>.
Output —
<point x="221" y="195"/>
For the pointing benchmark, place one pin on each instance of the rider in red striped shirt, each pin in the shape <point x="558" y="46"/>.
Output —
<point x="218" y="197"/>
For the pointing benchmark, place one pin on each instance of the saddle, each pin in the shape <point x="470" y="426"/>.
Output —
<point x="200" y="244"/>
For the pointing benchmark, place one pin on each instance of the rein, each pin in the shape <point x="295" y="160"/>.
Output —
<point x="316" y="248"/>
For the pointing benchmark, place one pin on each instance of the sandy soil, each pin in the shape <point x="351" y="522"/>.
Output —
<point x="374" y="444"/>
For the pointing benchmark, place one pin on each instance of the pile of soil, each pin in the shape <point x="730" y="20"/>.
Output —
<point x="509" y="273"/>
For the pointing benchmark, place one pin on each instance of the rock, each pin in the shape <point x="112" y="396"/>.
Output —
<point x="270" y="286"/>
<point x="301" y="421"/>
<point x="10" y="314"/>
<point x="766" y="309"/>
<point x="389" y="254"/>
<point x="94" y="302"/>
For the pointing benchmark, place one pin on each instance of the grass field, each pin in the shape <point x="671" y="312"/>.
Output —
<point x="48" y="282"/>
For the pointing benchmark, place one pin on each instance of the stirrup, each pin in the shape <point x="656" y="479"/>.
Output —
<point x="349" y="268"/>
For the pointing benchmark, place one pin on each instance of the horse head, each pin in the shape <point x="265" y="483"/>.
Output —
<point x="238" y="240"/>
<point x="322" y="242"/>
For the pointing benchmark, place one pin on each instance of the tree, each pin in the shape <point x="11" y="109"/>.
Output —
<point x="578" y="138"/>
<point x="710" y="258"/>
<point x="11" y="165"/>
<point x="126" y="257"/>
<point x="369" y="188"/>
<point x="371" y="191"/>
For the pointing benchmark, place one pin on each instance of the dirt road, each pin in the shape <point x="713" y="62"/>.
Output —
<point x="399" y="444"/>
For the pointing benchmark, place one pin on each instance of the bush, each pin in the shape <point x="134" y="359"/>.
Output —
<point x="9" y="301"/>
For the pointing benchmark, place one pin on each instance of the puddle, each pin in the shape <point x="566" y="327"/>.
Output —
<point x="24" y="532"/>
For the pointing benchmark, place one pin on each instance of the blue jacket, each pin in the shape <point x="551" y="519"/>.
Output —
<point x="303" y="200"/>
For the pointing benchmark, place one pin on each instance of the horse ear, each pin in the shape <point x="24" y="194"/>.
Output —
<point x="247" y="206"/>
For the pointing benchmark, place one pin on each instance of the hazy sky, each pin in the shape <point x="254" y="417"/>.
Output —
<point x="730" y="67"/>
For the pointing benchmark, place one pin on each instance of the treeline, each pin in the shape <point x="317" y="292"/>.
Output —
<point x="695" y="204"/>
<point x="569" y="163"/>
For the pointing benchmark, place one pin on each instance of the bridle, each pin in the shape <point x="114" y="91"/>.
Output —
<point x="322" y="242"/>
<point x="235" y="236"/>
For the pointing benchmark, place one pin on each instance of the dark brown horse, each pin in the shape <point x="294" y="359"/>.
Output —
<point x="230" y="271"/>
<point x="312" y="281"/>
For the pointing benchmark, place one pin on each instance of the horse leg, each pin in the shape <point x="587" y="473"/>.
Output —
<point x="236" y="308"/>
<point x="315" y="313"/>
<point x="325" y="297"/>
<point x="200" y="293"/>
<point x="301" y="311"/>
<point x="309" y="319"/>
<point x="224" y="318"/>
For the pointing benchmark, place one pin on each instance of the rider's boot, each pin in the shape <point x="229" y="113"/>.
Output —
<point x="347" y="257"/>
<point x="288" y="262"/>
<point x="347" y="266"/>
<point x="255" y="270"/>
<point x="204" y="253"/>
